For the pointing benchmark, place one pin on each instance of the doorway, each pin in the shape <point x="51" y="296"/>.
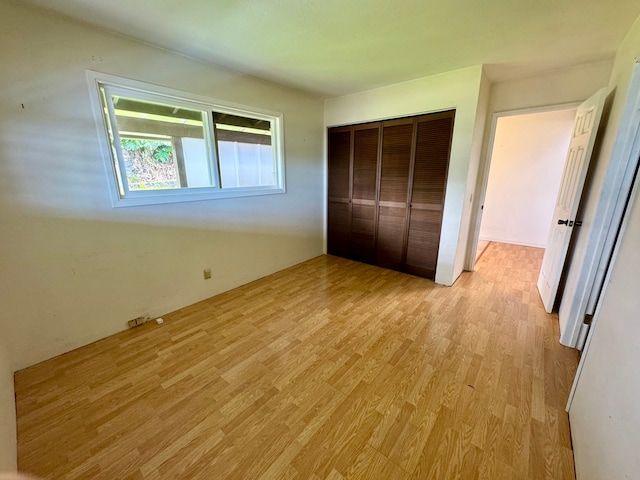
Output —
<point x="525" y="165"/>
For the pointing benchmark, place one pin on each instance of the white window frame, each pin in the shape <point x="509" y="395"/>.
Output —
<point x="149" y="92"/>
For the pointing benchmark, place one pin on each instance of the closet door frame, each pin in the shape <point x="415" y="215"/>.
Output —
<point x="347" y="248"/>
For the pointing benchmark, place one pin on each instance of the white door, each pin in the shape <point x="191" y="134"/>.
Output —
<point x="584" y="282"/>
<point x="575" y="173"/>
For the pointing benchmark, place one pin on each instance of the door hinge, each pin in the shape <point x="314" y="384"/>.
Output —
<point x="584" y="331"/>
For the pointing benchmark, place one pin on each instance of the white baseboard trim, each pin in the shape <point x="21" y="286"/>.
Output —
<point x="512" y="242"/>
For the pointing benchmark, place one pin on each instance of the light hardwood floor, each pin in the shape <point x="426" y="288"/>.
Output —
<point x="482" y="246"/>
<point x="328" y="370"/>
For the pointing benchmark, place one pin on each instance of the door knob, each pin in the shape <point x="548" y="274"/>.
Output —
<point x="563" y="222"/>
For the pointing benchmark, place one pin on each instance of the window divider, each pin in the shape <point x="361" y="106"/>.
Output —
<point x="179" y="159"/>
<point x="215" y="162"/>
<point x="117" y="141"/>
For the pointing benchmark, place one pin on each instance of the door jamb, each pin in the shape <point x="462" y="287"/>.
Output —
<point x="620" y="188"/>
<point x="485" y="166"/>
<point x="614" y="255"/>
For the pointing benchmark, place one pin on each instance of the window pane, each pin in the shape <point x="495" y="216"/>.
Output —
<point x="245" y="154"/>
<point x="162" y="146"/>
<point x="196" y="162"/>
<point x="149" y="163"/>
<point x="168" y="146"/>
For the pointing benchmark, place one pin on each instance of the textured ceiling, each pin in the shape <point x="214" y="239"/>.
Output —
<point x="334" y="47"/>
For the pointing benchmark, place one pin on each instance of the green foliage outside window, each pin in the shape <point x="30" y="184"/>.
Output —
<point x="160" y="150"/>
<point x="149" y="163"/>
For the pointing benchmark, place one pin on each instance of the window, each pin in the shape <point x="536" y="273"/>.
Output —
<point x="167" y="146"/>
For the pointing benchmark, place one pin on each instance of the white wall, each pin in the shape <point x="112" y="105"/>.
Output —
<point x="74" y="268"/>
<point x="527" y="161"/>
<point x="8" y="449"/>
<point x="475" y="169"/>
<point x="605" y="419"/>
<point x="568" y="85"/>
<point x="467" y="91"/>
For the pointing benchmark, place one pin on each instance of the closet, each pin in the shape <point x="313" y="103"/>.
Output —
<point x="386" y="187"/>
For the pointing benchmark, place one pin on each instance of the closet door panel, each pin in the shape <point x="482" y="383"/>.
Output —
<point x="396" y="162"/>
<point x="363" y="240"/>
<point x="339" y="206"/>
<point x="365" y="179"/>
<point x="390" y="241"/>
<point x="432" y="161"/>
<point x="339" y="159"/>
<point x="424" y="234"/>
<point x="339" y="229"/>
<point x="431" y="165"/>
<point x="397" y="137"/>
<point x="365" y="163"/>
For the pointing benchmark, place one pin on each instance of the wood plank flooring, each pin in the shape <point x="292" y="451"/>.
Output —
<point x="482" y="246"/>
<point x="328" y="370"/>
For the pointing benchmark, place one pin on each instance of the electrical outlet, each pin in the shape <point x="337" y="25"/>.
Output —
<point x="136" y="322"/>
<point x="207" y="273"/>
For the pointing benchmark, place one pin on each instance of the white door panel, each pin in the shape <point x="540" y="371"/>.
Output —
<point x="585" y="281"/>
<point x="575" y="173"/>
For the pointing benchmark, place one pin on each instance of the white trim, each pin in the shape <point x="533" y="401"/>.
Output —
<point x="198" y="101"/>
<point x="543" y="109"/>
<point x="510" y="242"/>
<point x="117" y="145"/>
<point x="112" y="83"/>
<point x="613" y="197"/>
<point x="485" y="167"/>
<point x="102" y="130"/>
<point x="418" y="113"/>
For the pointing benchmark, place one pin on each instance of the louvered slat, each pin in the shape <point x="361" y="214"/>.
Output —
<point x="365" y="162"/>
<point x="339" y="158"/>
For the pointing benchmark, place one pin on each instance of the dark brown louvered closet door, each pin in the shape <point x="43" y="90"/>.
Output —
<point x="365" y="181"/>
<point x="339" y="207"/>
<point x="397" y="139"/>
<point x="386" y="191"/>
<point x="431" y="164"/>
